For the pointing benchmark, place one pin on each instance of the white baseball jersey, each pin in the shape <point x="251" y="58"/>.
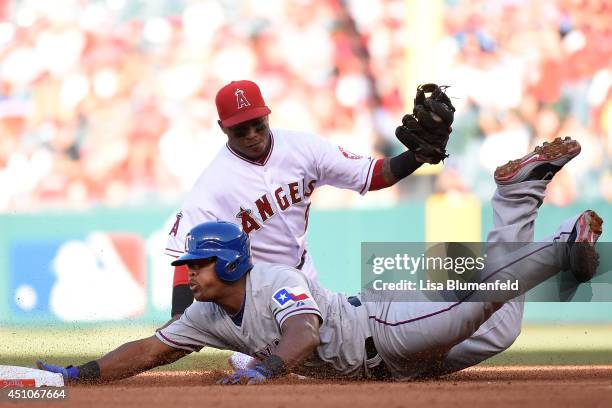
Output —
<point x="275" y="292"/>
<point x="271" y="199"/>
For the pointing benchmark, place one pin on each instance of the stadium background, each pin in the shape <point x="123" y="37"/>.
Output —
<point x="106" y="119"/>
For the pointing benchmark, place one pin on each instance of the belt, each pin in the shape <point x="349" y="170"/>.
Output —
<point x="375" y="364"/>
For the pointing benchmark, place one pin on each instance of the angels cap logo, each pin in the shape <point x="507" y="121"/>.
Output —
<point x="241" y="100"/>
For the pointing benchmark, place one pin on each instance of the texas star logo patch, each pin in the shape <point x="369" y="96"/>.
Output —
<point x="288" y="296"/>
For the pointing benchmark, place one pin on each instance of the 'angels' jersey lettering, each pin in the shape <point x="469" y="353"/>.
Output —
<point x="270" y="200"/>
<point x="284" y="197"/>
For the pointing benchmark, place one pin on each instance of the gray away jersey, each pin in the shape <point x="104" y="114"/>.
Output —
<point x="275" y="292"/>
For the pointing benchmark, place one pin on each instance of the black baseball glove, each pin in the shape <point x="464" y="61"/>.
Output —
<point x="427" y="129"/>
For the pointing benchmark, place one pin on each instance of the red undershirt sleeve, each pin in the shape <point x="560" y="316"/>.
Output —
<point x="378" y="180"/>
<point x="180" y="276"/>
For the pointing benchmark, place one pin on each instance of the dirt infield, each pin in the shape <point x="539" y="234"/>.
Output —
<point x="541" y="386"/>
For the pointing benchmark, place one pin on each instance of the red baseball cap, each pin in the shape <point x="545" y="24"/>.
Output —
<point x="240" y="101"/>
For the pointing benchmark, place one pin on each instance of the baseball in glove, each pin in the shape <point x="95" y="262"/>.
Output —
<point x="427" y="129"/>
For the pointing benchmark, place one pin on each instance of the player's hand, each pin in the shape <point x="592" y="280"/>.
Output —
<point x="70" y="373"/>
<point x="248" y="377"/>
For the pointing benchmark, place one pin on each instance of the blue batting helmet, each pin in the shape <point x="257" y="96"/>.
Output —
<point x="222" y="240"/>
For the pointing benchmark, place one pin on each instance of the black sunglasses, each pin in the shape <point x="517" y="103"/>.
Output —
<point x="243" y="129"/>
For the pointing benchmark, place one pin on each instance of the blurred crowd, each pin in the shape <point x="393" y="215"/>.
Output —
<point x="112" y="102"/>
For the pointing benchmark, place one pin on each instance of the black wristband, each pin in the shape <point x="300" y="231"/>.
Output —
<point x="182" y="298"/>
<point x="89" y="371"/>
<point x="404" y="164"/>
<point x="272" y="366"/>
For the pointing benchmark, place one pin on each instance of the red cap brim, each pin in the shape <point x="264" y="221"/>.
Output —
<point x="246" y="116"/>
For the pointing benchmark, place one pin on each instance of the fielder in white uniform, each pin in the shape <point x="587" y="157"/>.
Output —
<point x="291" y="324"/>
<point x="270" y="200"/>
<point x="263" y="180"/>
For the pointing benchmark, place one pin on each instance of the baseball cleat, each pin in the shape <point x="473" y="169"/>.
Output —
<point x="584" y="258"/>
<point x="541" y="164"/>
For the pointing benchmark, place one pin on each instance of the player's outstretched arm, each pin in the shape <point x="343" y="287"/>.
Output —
<point x="125" y="361"/>
<point x="300" y="338"/>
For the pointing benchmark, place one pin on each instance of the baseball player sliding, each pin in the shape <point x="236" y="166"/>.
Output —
<point x="263" y="178"/>
<point x="291" y="324"/>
